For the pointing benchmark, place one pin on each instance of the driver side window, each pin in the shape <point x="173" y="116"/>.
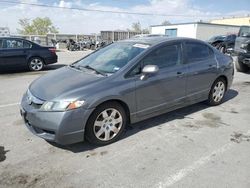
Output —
<point x="165" y="56"/>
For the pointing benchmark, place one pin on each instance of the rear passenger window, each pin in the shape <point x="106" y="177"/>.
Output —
<point x="26" y="44"/>
<point x="16" y="43"/>
<point x="197" y="51"/>
<point x="164" y="56"/>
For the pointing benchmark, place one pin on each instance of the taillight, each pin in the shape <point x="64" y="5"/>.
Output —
<point x="53" y="50"/>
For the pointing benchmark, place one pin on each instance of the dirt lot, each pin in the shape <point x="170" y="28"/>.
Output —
<point x="198" y="146"/>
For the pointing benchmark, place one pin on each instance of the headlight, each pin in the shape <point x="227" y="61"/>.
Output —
<point x="61" y="105"/>
<point x="243" y="46"/>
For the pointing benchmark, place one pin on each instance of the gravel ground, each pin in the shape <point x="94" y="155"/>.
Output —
<point x="197" y="146"/>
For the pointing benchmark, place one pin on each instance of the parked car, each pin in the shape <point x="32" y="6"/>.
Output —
<point x="215" y="41"/>
<point x="71" y="45"/>
<point x="242" y="49"/>
<point x="227" y="45"/>
<point x="124" y="82"/>
<point x="17" y="52"/>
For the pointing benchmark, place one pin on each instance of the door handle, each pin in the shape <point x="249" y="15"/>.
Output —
<point x="180" y="74"/>
<point x="212" y="66"/>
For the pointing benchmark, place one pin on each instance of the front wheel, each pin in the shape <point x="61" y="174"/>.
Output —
<point x="106" y="124"/>
<point x="217" y="92"/>
<point x="36" y="64"/>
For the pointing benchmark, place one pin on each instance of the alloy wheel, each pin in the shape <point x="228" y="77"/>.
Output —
<point x="218" y="91"/>
<point x="36" y="64"/>
<point x="108" y="124"/>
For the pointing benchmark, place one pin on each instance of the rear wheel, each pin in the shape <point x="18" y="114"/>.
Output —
<point x="106" y="124"/>
<point x="36" y="64"/>
<point x="217" y="92"/>
<point x="241" y="67"/>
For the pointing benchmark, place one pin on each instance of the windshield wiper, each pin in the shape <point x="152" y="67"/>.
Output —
<point x="91" y="68"/>
<point x="74" y="66"/>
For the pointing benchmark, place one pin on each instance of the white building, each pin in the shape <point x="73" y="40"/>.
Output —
<point x="4" y="31"/>
<point x="198" y="30"/>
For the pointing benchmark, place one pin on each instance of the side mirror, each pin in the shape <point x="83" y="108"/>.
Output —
<point x="149" y="69"/>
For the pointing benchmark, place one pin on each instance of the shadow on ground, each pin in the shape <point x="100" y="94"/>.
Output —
<point x="152" y="122"/>
<point x="6" y="71"/>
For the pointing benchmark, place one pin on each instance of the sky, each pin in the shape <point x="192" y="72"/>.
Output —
<point x="82" y="22"/>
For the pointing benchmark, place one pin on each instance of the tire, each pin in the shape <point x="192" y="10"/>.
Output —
<point x="217" y="92"/>
<point x="101" y="128"/>
<point x="35" y="64"/>
<point x="241" y="67"/>
<point x="223" y="49"/>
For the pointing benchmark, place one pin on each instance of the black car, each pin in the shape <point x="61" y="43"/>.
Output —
<point x="242" y="49"/>
<point x="227" y="45"/>
<point x="17" y="53"/>
<point x="215" y="41"/>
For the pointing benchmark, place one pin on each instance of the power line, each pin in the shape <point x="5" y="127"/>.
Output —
<point x="104" y="11"/>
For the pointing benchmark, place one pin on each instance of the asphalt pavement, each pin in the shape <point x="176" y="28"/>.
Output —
<point x="197" y="146"/>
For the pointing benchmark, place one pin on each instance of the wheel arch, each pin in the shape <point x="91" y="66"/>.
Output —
<point x="34" y="56"/>
<point x="223" y="77"/>
<point x="121" y="102"/>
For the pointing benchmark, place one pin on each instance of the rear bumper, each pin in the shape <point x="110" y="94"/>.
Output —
<point x="50" y="60"/>
<point x="61" y="127"/>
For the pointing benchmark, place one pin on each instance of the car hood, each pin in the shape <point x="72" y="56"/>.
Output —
<point x="62" y="82"/>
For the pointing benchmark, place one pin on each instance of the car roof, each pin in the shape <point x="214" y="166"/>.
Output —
<point x="159" y="39"/>
<point x="18" y="38"/>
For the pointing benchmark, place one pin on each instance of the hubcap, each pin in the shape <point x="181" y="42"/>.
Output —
<point x="36" y="64"/>
<point x="108" y="124"/>
<point x="219" y="91"/>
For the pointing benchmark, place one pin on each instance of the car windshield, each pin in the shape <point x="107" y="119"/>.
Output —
<point x="244" y="31"/>
<point x="113" y="57"/>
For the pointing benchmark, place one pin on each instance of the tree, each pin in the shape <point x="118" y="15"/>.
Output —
<point x="38" y="26"/>
<point x="166" y="22"/>
<point x="136" y="27"/>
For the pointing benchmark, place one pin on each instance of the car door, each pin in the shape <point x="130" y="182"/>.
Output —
<point x="14" y="53"/>
<point x="202" y="69"/>
<point x="167" y="87"/>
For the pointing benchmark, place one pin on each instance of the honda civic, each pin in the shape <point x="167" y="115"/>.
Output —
<point x="125" y="82"/>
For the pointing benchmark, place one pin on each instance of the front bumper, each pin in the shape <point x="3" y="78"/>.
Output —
<point x="61" y="127"/>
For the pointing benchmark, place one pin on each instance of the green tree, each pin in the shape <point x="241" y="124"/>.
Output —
<point x="38" y="26"/>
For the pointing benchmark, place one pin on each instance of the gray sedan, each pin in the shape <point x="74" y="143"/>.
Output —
<point x="125" y="82"/>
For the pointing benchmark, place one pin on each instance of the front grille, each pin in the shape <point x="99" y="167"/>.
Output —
<point x="36" y="106"/>
<point x="33" y="100"/>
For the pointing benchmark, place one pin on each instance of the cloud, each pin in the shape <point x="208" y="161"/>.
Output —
<point x="65" y="4"/>
<point x="85" y="22"/>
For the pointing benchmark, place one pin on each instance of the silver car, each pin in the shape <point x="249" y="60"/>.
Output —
<point x="125" y="82"/>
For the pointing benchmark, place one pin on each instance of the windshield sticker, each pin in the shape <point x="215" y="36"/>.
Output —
<point x="144" y="46"/>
